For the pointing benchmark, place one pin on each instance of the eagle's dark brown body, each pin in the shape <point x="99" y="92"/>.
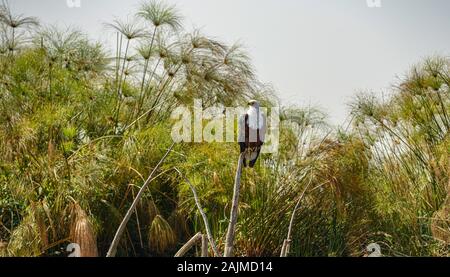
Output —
<point x="252" y="144"/>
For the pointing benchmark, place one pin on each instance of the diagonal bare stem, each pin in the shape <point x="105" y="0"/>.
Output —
<point x="113" y="248"/>
<point x="287" y="242"/>
<point x="205" y="219"/>
<point x="229" y="242"/>
<point x="185" y="248"/>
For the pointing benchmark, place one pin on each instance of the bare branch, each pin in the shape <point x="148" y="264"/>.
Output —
<point x="113" y="248"/>
<point x="204" y="246"/>
<point x="287" y="242"/>
<point x="185" y="248"/>
<point x="205" y="219"/>
<point x="229" y="242"/>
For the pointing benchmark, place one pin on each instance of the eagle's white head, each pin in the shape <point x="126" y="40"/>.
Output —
<point x="256" y="120"/>
<point x="254" y="104"/>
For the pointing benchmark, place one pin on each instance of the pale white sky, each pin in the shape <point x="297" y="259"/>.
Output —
<point x="318" y="52"/>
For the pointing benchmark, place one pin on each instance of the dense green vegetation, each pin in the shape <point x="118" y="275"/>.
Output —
<point x="80" y="130"/>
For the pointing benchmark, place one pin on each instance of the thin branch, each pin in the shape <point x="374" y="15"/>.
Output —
<point x="229" y="242"/>
<point x="200" y="209"/>
<point x="185" y="248"/>
<point x="204" y="246"/>
<point x="113" y="248"/>
<point x="287" y="242"/>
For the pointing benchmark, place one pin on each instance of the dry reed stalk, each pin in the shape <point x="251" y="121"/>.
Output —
<point x="229" y="242"/>
<point x="115" y="243"/>
<point x="204" y="246"/>
<point x="185" y="248"/>
<point x="284" y="248"/>
<point x="83" y="234"/>
<point x="200" y="209"/>
<point x="287" y="242"/>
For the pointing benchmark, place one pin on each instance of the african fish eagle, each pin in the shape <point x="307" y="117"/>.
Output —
<point x="252" y="132"/>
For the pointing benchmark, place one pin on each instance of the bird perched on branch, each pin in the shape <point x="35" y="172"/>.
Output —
<point x="252" y="132"/>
